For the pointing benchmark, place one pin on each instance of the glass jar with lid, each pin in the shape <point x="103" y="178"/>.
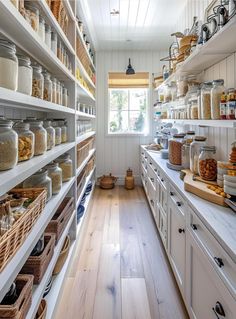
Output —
<point x="25" y="75"/>
<point x="223" y="106"/>
<point x="167" y="94"/>
<point x="182" y="86"/>
<point x="64" y="96"/>
<point x="207" y="163"/>
<point x="54" y="90"/>
<point x="206" y="101"/>
<point x="58" y="92"/>
<point x="8" y="145"/>
<point x="189" y="137"/>
<point x="47" y="92"/>
<point x="40" y="136"/>
<point x="66" y="165"/>
<point x="175" y="149"/>
<point x="48" y="35"/>
<point x="41" y="31"/>
<point x="54" y="42"/>
<point x="216" y="92"/>
<point x="50" y="134"/>
<point x="33" y="14"/>
<point x="62" y="124"/>
<point x="194" y="109"/>
<point x="38" y="81"/>
<point x="40" y="179"/>
<point x="8" y="65"/>
<point x="195" y="152"/>
<point x="231" y="104"/>
<point x="55" y="173"/>
<point x="57" y="132"/>
<point x="25" y="141"/>
<point x="185" y="160"/>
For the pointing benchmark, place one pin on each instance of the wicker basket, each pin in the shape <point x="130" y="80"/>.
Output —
<point x="81" y="181"/>
<point x="18" y="310"/>
<point x="90" y="165"/>
<point x="61" y="217"/>
<point x="12" y="240"/>
<point x="62" y="257"/>
<point x="37" y="265"/>
<point x="82" y="153"/>
<point x="42" y="310"/>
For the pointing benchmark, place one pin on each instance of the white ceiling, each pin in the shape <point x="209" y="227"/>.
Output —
<point x="147" y="23"/>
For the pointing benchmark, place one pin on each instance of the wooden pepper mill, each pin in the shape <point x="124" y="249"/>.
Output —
<point x="129" y="179"/>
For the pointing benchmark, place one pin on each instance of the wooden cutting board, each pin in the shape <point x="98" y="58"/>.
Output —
<point x="200" y="189"/>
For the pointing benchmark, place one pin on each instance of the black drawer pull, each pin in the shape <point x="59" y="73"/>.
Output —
<point x="150" y="163"/>
<point x="219" y="261"/>
<point x="145" y="157"/>
<point x="178" y="204"/>
<point x="181" y="230"/>
<point x="152" y="179"/>
<point x="162" y="180"/>
<point x="171" y="194"/>
<point x="152" y="202"/>
<point x="219" y="310"/>
<point x="155" y="170"/>
<point x="194" y="227"/>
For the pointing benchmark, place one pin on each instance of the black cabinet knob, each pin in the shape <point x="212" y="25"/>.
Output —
<point x="150" y="163"/>
<point x="219" y="310"/>
<point x="219" y="261"/>
<point x="171" y="194"/>
<point x="181" y="230"/>
<point x="178" y="204"/>
<point x="194" y="227"/>
<point x="152" y="179"/>
<point x="155" y="170"/>
<point x="162" y="180"/>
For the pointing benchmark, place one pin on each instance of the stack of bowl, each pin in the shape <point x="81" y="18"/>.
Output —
<point x="222" y="168"/>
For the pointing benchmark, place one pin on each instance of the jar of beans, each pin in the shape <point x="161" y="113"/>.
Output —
<point x="175" y="149"/>
<point x="208" y="163"/>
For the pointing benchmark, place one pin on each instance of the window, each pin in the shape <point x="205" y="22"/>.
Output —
<point x="128" y="104"/>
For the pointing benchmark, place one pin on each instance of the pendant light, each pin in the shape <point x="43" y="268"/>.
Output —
<point x="130" y="69"/>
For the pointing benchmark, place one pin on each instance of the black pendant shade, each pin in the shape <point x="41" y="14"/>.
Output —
<point x="130" y="69"/>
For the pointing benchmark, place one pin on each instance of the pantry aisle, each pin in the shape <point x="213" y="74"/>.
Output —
<point x="122" y="270"/>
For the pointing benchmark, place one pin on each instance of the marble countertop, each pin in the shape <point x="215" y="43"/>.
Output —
<point x="221" y="221"/>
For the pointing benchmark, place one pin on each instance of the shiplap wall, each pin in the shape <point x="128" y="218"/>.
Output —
<point x="221" y="138"/>
<point x="116" y="154"/>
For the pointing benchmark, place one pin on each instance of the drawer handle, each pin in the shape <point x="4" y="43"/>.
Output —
<point x="219" y="310"/>
<point x="142" y="153"/>
<point x="145" y="157"/>
<point x="152" y="179"/>
<point x="181" y="230"/>
<point x="219" y="261"/>
<point x="178" y="204"/>
<point x="162" y="180"/>
<point x="152" y="202"/>
<point x="155" y="170"/>
<point x="194" y="227"/>
<point x="150" y="163"/>
<point x="171" y="194"/>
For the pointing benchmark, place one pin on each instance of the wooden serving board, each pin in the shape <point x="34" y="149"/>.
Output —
<point x="200" y="189"/>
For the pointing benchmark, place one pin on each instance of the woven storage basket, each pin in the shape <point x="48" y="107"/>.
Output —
<point x="56" y="7"/>
<point x="42" y="310"/>
<point x="18" y="310"/>
<point x="12" y="240"/>
<point x="83" y="149"/>
<point x="90" y="165"/>
<point x="37" y="265"/>
<point x="62" y="257"/>
<point x="81" y="181"/>
<point x="61" y="217"/>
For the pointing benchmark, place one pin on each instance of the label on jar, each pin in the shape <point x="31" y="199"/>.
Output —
<point x="231" y="105"/>
<point x="223" y="108"/>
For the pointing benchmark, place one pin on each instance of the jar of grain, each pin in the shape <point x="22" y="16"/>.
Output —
<point x="40" y="179"/>
<point x="50" y="134"/>
<point x="25" y="75"/>
<point x="40" y="145"/>
<point x="48" y="35"/>
<point x="64" y="96"/>
<point x="231" y="104"/>
<point x="216" y="92"/>
<point x="186" y="156"/>
<point x="182" y="86"/>
<point x="25" y="141"/>
<point x="33" y="14"/>
<point x="38" y="81"/>
<point x="207" y="163"/>
<point x="206" y="101"/>
<point x="57" y="133"/>
<point x="8" y="65"/>
<point x="194" y="109"/>
<point x="8" y="145"/>
<point x="58" y="92"/>
<point x="41" y="32"/>
<point x="54" y="42"/>
<point x="175" y="149"/>
<point x="55" y="173"/>
<point x="66" y="165"/>
<point x="54" y="90"/>
<point x="63" y="126"/>
<point x="47" y="92"/>
<point x="195" y="146"/>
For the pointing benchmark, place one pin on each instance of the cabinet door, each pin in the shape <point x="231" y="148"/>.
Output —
<point x="207" y="296"/>
<point x="177" y="240"/>
<point x="163" y="227"/>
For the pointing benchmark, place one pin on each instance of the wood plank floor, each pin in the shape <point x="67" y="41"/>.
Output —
<point x="121" y="270"/>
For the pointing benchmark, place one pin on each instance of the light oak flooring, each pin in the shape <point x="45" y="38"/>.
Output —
<point x="121" y="270"/>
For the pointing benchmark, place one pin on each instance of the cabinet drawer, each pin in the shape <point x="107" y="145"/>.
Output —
<point x="177" y="200"/>
<point x="224" y="265"/>
<point x="151" y="175"/>
<point x="163" y="226"/>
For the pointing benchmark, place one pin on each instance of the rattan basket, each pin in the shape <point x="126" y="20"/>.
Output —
<point x="42" y="310"/>
<point x="12" y="240"/>
<point x="19" y="309"/>
<point x="62" y="257"/>
<point x="37" y="265"/>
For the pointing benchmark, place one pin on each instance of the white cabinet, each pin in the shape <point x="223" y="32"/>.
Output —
<point x="206" y="295"/>
<point x="163" y="227"/>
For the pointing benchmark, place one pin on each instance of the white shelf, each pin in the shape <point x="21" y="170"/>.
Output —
<point x="84" y="137"/>
<point x="84" y="72"/>
<point x="167" y="81"/>
<point x="12" y="177"/>
<point x="88" y="178"/>
<point x="85" y="115"/>
<point x="21" y="33"/>
<point x="69" y="9"/>
<point x="19" y="100"/>
<point x="8" y="275"/>
<point x="38" y="290"/>
<point x="203" y="123"/>
<point x="82" y="166"/>
<point x="82" y="91"/>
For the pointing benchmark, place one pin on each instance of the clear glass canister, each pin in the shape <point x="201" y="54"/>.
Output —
<point x="195" y="146"/>
<point x="182" y="86"/>
<point x="38" y="81"/>
<point x="57" y="133"/>
<point x="34" y="15"/>
<point x="8" y="65"/>
<point x="58" y="92"/>
<point x="66" y="165"/>
<point x="194" y="109"/>
<point x="206" y="101"/>
<point x="50" y="134"/>
<point x="231" y="104"/>
<point x="54" y="90"/>
<point x="63" y="126"/>
<point x="216" y="92"/>
<point x="25" y="141"/>
<point x="8" y="145"/>
<point x="189" y="137"/>
<point x="41" y="31"/>
<point x="25" y="75"/>
<point x="47" y="92"/>
<point x="167" y="94"/>
<point x="186" y="156"/>
<point x="207" y="163"/>
<point x="175" y="149"/>
<point x="55" y="173"/>
<point x="40" y="134"/>
<point x="64" y="96"/>
<point x="48" y="35"/>
<point x="223" y="106"/>
<point x="54" y="42"/>
<point x="40" y="180"/>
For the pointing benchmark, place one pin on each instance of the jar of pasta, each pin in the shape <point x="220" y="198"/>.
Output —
<point x="47" y="92"/>
<point x="25" y="141"/>
<point x="175" y="149"/>
<point x="55" y="173"/>
<point x="50" y="134"/>
<point x="216" y="92"/>
<point x="40" y="134"/>
<point x="66" y="165"/>
<point x="64" y="96"/>
<point x="38" y="81"/>
<point x="206" y="101"/>
<point x="8" y="145"/>
<point x="57" y="133"/>
<point x="207" y="163"/>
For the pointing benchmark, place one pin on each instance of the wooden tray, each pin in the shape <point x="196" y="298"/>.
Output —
<point x="200" y="189"/>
